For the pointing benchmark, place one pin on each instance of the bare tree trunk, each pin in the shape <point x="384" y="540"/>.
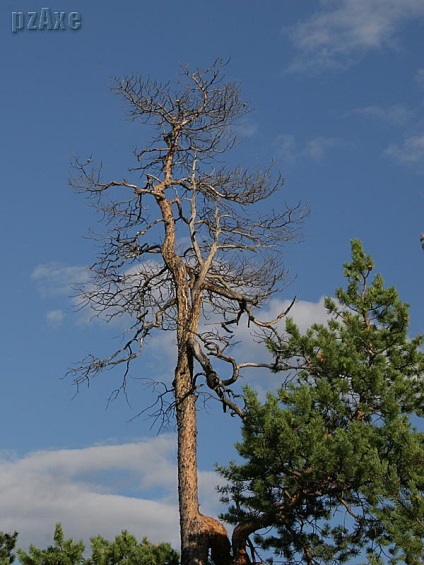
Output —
<point x="187" y="464"/>
<point x="198" y="533"/>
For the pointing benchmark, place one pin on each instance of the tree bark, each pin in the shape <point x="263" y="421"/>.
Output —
<point x="240" y="537"/>
<point x="187" y="462"/>
<point x="199" y="533"/>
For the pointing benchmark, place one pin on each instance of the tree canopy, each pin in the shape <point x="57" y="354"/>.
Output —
<point x="7" y="547"/>
<point x="126" y="550"/>
<point x="333" y="463"/>
<point x="123" y="550"/>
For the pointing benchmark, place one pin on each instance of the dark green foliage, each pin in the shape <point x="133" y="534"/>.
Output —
<point x="63" y="552"/>
<point x="333" y="464"/>
<point x="124" y="550"/>
<point x="7" y="546"/>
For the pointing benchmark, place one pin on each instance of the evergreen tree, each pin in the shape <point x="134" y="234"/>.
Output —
<point x="334" y="466"/>
<point x="125" y="550"/>
<point x="7" y="546"/>
<point x="63" y="552"/>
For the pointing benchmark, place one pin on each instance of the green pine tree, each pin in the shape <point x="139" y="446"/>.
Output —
<point x="333" y="466"/>
<point x="63" y="552"/>
<point x="7" y="546"/>
<point x="125" y="550"/>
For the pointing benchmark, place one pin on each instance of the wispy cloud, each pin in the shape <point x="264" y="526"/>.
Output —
<point x="101" y="489"/>
<point x="55" y="318"/>
<point x="96" y="303"/>
<point x="286" y="148"/>
<point x="397" y="115"/>
<point x="419" y="77"/>
<point x="342" y="31"/>
<point x="54" y="279"/>
<point x="56" y="282"/>
<point x="410" y="150"/>
<point x="316" y="149"/>
<point x="409" y="153"/>
<point x="246" y="129"/>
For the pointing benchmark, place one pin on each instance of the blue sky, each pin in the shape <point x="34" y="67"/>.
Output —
<point x="338" y="92"/>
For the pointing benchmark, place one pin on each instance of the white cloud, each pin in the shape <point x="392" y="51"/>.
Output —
<point x="250" y="348"/>
<point x="97" y="490"/>
<point x="106" y="488"/>
<point x="306" y="313"/>
<point x="287" y="148"/>
<point x="343" y="30"/>
<point x="303" y="312"/>
<point x="246" y="129"/>
<point x="96" y="304"/>
<point x="160" y="347"/>
<point x="409" y="153"/>
<point x="397" y="114"/>
<point x="54" y="279"/>
<point x="317" y="148"/>
<point x="55" y="318"/>
<point x="289" y="151"/>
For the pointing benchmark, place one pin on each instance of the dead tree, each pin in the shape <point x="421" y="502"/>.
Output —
<point x="187" y="239"/>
